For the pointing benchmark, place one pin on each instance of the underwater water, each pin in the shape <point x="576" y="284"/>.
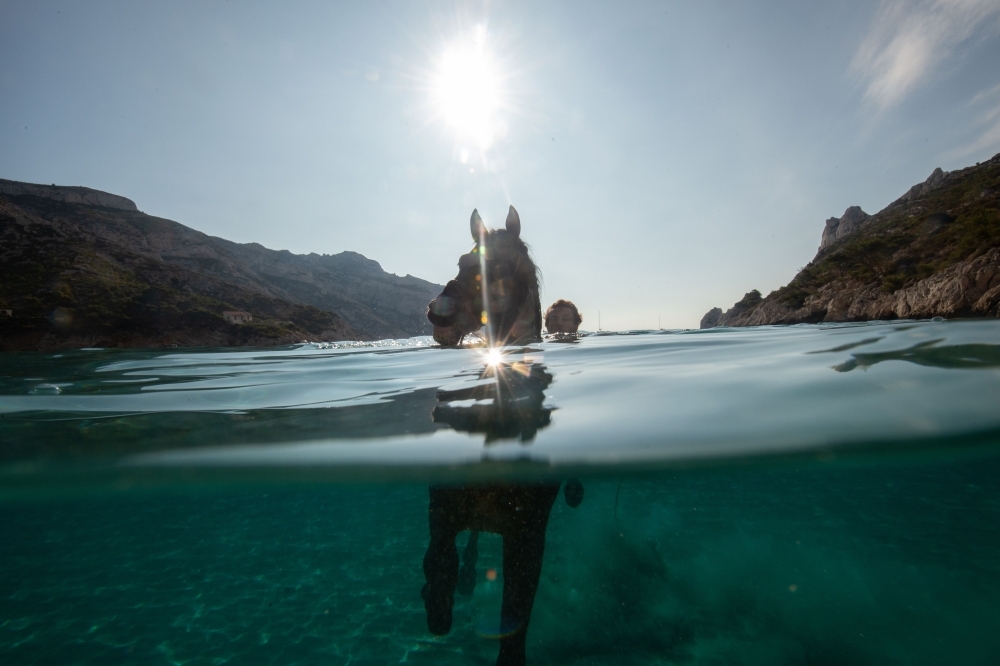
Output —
<point x="815" y="495"/>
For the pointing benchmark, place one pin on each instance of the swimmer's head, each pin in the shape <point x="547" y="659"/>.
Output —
<point x="562" y="317"/>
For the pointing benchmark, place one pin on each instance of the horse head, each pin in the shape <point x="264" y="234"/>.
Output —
<point x="496" y="287"/>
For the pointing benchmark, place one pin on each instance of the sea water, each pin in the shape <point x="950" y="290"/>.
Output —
<point x="780" y="495"/>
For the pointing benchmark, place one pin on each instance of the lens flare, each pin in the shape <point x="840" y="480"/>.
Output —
<point x="493" y="357"/>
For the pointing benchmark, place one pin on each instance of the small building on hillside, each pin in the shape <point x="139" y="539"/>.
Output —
<point x="237" y="317"/>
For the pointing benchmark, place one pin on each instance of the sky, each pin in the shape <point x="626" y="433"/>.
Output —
<point x="664" y="157"/>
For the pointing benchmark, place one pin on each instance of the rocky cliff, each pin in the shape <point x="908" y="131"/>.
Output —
<point x="935" y="251"/>
<point x="838" y="227"/>
<point x="85" y="268"/>
<point x="64" y="194"/>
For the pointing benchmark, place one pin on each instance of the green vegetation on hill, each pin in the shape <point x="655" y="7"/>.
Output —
<point x="372" y="302"/>
<point x="911" y="241"/>
<point x="935" y="251"/>
<point x="68" y="289"/>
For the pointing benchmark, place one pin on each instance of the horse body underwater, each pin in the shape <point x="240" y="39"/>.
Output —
<point x="497" y="287"/>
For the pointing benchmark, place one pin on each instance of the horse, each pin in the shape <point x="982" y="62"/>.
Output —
<point x="496" y="287"/>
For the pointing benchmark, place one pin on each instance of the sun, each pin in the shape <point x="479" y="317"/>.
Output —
<point x="467" y="89"/>
<point x="494" y="357"/>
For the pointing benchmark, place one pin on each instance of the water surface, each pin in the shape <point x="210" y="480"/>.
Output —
<point x="779" y="495"/>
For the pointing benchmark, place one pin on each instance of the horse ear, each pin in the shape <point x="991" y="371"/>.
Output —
<point x="476" y="226"/>
<point x="513" y="222"/>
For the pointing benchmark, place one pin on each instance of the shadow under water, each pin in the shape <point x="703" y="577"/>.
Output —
<point x="506" y="404"/>
<point x="929" y="354"/>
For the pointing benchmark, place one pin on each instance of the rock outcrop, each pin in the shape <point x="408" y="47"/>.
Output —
<point x="935" y="251"/>
<point x="854" y="217"/>
<point x="968" y="289"/>
<point x="711" y="318"/>
<point x="837" y="228"/>
<point x="64" y="194"/>
<point x="934" y="180"/>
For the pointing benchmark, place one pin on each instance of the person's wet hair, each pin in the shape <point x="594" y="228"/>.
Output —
<point x="561" y="303"/>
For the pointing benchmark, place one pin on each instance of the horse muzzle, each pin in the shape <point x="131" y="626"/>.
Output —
<point x="442" y="310"/>
<point x="451" y="322"/>
<point x="448" y="336"/>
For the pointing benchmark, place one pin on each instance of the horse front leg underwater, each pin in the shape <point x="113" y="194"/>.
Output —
<point x="519" y="513"/>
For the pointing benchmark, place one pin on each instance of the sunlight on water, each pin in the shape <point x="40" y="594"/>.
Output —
<point x="660" y="398"/>
<point x="779" y="495"/>
<point x="422" y="341"/>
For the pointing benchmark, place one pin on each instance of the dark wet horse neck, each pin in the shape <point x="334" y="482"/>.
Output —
<point x="520" y="323"/>
<point x="496" y="287"/>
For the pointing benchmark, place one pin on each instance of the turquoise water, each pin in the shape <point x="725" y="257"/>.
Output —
<point x="780" y="495"/>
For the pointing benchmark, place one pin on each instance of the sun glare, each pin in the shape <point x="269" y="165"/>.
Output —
<point x="493" y="357"/>
<point x="467" y="90"/>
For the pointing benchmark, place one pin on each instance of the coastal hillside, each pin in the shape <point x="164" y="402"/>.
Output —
<point x="80" y="267"/>
<point x="935" y="251"/>
<point x="63" y="287"/>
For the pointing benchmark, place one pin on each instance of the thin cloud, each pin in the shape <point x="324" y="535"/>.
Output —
<point x="988" y="124"/>
<point x="985" y="95"/>
<point x="909" y="39"/>
<point x="987" y="142"/>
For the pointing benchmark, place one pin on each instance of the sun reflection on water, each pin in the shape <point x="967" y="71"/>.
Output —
<point x="493" y="357"/>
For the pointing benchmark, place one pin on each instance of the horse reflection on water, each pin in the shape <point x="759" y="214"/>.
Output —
<point x="498" y="280"/>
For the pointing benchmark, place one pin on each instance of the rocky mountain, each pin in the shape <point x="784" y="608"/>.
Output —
<point x="935" y="251"/>
<point x="79" y="195"/>
<point x="375" y="303"/>
<point x="80" y="267"/>
<point x="838" y="227"/>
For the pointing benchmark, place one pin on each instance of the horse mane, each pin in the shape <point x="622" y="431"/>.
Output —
<point x="532" y="297"/>
<point x="536" y="291"/>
